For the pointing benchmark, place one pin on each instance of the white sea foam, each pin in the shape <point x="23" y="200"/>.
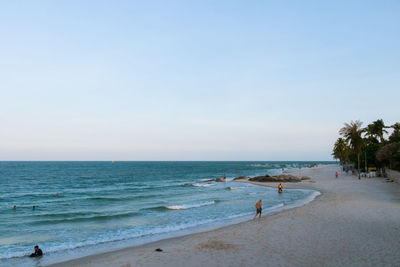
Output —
<point x="260" y="165"/>
<point x="190" y="206"/>
<point x="203" y="185"/>
<point x="234" y="188"/>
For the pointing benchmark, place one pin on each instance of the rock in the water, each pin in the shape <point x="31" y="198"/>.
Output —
<point x="276" y="178"/>
<point x="240" y="178"/>
<point x="206" y="180"/>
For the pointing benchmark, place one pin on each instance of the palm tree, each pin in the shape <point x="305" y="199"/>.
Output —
<point x="395" y="136"/>
<point x="364" y="146"/>
<point x="340" y="151"/>
<point x="352" y="134"/>
<point x="377" y="129"/>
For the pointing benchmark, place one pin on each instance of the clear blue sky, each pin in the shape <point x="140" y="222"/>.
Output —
<point x="193" y="80"/>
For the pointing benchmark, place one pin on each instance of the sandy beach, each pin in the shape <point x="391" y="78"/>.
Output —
<point x="352" y="223"/>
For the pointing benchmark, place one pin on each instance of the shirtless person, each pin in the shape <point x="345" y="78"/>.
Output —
<point x="259" y="209"/>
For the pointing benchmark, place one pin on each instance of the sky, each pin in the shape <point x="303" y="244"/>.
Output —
<point x="193" y="80"/>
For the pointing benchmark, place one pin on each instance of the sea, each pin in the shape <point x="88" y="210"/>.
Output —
<point x="74" y="209"/>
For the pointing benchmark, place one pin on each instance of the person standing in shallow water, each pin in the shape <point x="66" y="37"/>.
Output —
<point x="259" y="209"/>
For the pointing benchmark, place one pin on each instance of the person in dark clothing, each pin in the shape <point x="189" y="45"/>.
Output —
<point x="38" y="252"/>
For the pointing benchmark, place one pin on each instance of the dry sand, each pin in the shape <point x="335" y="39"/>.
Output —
<point x="352" y="223"/>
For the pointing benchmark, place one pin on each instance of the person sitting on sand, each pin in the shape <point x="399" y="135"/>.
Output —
<point x="259" y="209"/>
<point x="38" y="252"/>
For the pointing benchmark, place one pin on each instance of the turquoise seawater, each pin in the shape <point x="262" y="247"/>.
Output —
<point x="87" y="207"/>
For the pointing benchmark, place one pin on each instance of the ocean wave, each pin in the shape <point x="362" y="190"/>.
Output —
<point x="62" y="214"/>
<point x="184" y="206"/>
<point x="232" y="188"/>
<point x="203" y="185"/>
<point x="260" y="165"/>
<point x="269" y="165"/>
<point x="123" y="235"/>
<point x="52" y="202"/>
<point x="86" y="218"/>
<point x="129" y="234"/>
<point x="121" y="198"/>
<point x="198" y="185"/>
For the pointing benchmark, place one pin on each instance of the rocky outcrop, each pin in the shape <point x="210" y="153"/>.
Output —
<point x="240" y="178"/>
<point x="207" y="180"/>
<point x="281" y="178"/>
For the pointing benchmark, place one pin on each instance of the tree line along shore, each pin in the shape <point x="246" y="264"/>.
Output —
<point x="363" y="149"/>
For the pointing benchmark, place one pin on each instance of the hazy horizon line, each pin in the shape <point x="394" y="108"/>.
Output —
<point x="166" y="160"/>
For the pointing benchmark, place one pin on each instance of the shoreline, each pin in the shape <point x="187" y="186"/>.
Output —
<point x="125" y="241"/>
<point x="206" y="229"/>
<point x="284" y="237"/>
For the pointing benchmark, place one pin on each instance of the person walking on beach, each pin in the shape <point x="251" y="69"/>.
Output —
<point x="280" y="188"/>
<point x="336" y="174"/>
<point x="259" y="209"/>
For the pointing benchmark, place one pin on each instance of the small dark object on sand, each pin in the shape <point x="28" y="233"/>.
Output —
<point x="159" y="249"/>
